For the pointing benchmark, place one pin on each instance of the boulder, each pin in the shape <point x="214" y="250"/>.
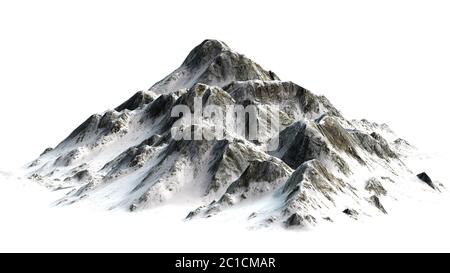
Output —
<point x="425" y="178"/>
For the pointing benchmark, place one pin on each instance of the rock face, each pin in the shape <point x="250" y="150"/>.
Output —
<point x="139" y="99"/>
<point x="294" y="100"/>
<point x="323" y="167"/>
<point x="373" y="185"/>
<point x="294" y="220"/>
<point x="212" y="63"/>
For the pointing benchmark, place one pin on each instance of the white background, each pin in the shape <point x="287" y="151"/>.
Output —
<point x="62" y="61"/>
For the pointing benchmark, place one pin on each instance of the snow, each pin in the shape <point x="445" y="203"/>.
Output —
<point x="30" y="223"/>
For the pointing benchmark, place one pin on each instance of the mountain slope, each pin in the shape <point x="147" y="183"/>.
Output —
<point x="323" y="165"/>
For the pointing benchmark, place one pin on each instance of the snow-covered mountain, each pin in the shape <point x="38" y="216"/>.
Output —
<point x="323" y="168"/>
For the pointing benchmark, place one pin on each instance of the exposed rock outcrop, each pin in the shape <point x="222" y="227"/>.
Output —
<point x="425" y="178"/>
<point x="374" y="186"/>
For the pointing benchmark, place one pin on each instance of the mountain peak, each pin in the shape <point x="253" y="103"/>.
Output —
<point x="213" y="43"/>
<point x="320" y="166"/>
<point x="205" y="51"/>
<point x="212" y="62"/>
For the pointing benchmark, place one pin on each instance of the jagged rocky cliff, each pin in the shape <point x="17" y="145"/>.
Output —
<point x="324" y="165"/>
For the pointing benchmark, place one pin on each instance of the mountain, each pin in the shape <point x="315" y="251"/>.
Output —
<point x="323" y="166"/>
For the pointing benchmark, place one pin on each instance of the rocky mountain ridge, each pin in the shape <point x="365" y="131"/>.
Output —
<point x="324" y="164"/>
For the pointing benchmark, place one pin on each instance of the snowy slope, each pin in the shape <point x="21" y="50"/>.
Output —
<point x="325" y="167"/>
<point x="417" y="221"/>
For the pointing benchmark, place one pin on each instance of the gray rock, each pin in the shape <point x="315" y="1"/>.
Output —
<point x="350" y="212"/>
<point x="259" y="171"/>
<point x="213" y="63"/>
<point x="376" y="202"/>
<point x="373" y="185"/>
<point x="425" y="178"/>
<point x="293" y="99"/>
<point x="294" y="220"/>
<point x="113" y="122"/>
<point x="375" y="144"/>
<point x="139" y="99"/>
<point x="302" y="142"/>
<point x="87" y="128"/>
